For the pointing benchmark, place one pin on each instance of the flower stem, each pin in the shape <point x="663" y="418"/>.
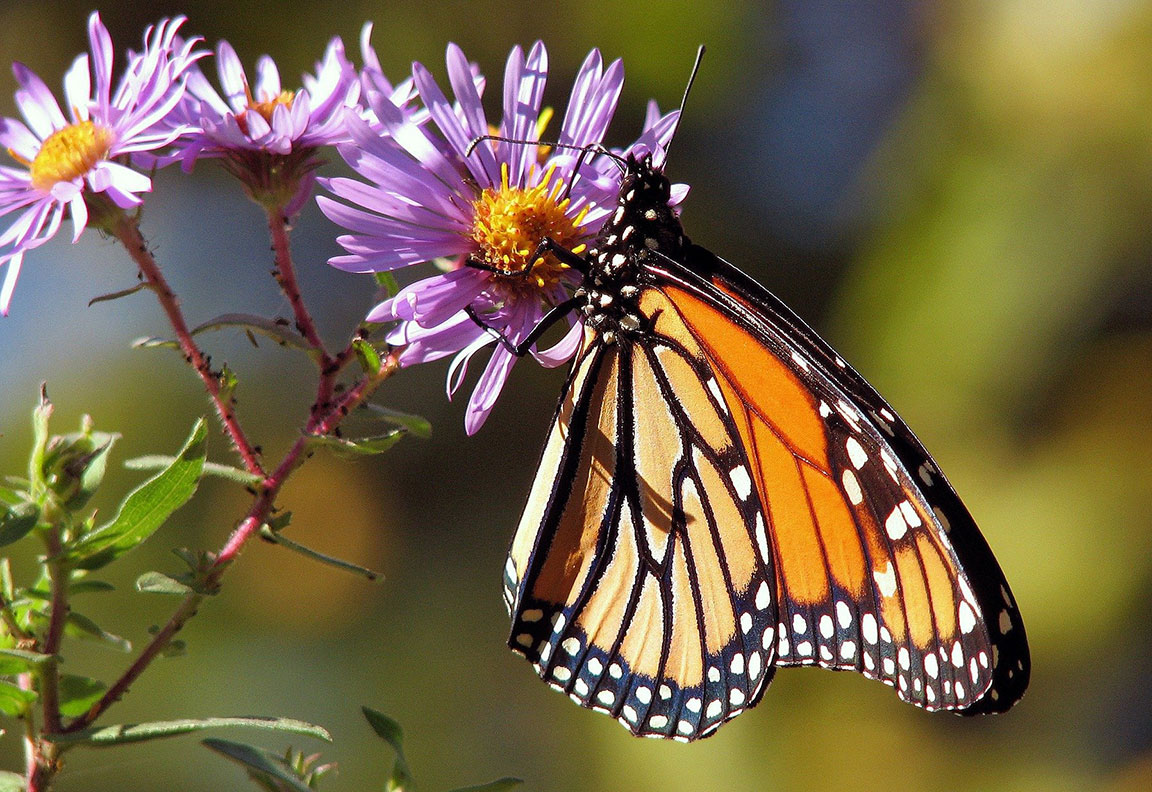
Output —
<point x="258" y="513"/>
<point x="128" y="232"/>
<point x="285" y="274"/>
<point x="49" y="675"/>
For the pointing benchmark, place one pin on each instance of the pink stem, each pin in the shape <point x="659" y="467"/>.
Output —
<point x="129" y="235"/>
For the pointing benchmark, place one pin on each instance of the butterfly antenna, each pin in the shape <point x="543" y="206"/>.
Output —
<point x="684" y="101"/>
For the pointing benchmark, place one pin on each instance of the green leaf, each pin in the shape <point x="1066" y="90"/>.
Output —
<point x="157" y="462"/>
<point x="78" y="693"/>
<point x="156" y="730"/>
<point x="387" y="282"/>
<point x="40" y="416"/>
<point x="94" y="465"/>
<point x="147" y="507"/>
<point x="151" y="342"/>
<point x="159" y="583"/>
<point x="279" y="330"/>
<point x="499" y="785"/>
<point x="271" y="535"/>
<point x="89" y="587"/>
<point x="390" y="731"/>
<point x="80" y="626"/>
<point x="360" y="446"/>
<point x="17" y="661"/>
<point x="416" y="424"/>
<point x="259" y="763"/>
<point x="11" y="782"/>
<point x="17" y="521"/>
<point x="367" y="355"/>
<point x="14" y="701"/>
<point x="118" y="294"/>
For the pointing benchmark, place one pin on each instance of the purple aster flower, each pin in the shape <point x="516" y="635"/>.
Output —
<point x="62" y="163"/>
<point x="267" y="135"/>
<point x="430" y="197"/>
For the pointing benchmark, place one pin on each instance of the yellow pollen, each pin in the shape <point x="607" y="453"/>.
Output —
<point x="509" y="223"/>
<point x="69" y="153"/>
<point x="266" y="107"/>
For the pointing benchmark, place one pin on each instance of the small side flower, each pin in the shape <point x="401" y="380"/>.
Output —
<point x="73" y="164"/>
<point x="265" y="135"/>
<point x="482" y="209"/>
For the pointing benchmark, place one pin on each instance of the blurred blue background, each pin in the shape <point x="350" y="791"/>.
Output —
<point x="956" y="194"/>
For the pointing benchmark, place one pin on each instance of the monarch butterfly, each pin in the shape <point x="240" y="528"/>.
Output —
<point x="721" y="494"/>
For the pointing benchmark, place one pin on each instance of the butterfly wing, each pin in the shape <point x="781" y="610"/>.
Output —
<point x="880" y="567"/>
<point x="638" y="579"/>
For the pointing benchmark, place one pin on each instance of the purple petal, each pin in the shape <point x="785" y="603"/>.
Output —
<point x="488" y="389"/>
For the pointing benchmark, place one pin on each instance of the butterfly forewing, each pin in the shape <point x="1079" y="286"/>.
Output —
<point x="883" y="571"/>
<point x="645" y="595"/>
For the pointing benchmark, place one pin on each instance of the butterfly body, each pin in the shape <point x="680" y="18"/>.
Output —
<point x="722" y="495"/>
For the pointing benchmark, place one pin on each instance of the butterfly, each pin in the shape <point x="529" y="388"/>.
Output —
<point x="722" y="495"/>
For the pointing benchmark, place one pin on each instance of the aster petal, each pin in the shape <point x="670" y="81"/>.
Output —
<point x="587" y="122"/>
<point x="268" y="85"/>
<point x="113" y="175"/>
<point x="101" y="47"/>
<point x="563" y="350"/>
<point x="458" y="368"/>
<point x="78" y="87"/>
<point x="232" y="77"/>
<point x="79" y="212"/>
<point x="524" y="81"/>
<point x="423" y="157"/>
<point x="471" y="109"/>
<point x="36" y="103"/>
<point x="16" y="137"/>
<point x="488" y="389"/>
<point x="433" y="300"/>
<point x="11" y="273"/>
<point x="445" y="118"/>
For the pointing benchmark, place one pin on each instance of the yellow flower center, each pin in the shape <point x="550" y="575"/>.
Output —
<point x="509" y="224"/>
<point x="69" y="153"/>
<point x="266" y="107"/>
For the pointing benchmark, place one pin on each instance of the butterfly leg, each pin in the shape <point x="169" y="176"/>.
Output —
<point x="547" y="245"/>
<point x="521" y="349"/>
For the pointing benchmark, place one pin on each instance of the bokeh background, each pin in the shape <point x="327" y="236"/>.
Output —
<point x="957" y="194"/>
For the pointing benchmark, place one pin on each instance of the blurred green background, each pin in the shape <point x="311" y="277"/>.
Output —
<point x="957" y="194"/>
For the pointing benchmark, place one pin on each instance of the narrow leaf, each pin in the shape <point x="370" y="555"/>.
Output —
<point x="259" y="762"/>
<point x="17" y="661"/>
<point x="80" y="626"/>
<point x="499" y="785"/>
<point x="118" y="294"/>
<point x="390" y="731"/>
<point x="11" y="782"/>
<point x="89" y="587"/>
<point x="14" y="701"/>
<point x="386" y="281"/>
<point x="17" y="521"/>
<point x="94" y="468"/>
<point x="151" y="342"/>
<point x="139" y="732"/>
<point x="367" y="355"/>
<point x="347" y="566"/>
<point x="78" y="693"/>
<point x="159" y="583"/>
<point x="147" y="507"/>
<point x="361" y="446"/>
<point x="278" y="330"/>
<point x="416" y="424"/>
<point x="158" y="462"/>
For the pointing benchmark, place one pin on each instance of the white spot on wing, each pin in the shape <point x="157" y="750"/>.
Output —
<point x="868" y="627"/>
<point x="761" y="538"/>
<point x="714" y="387"/>
<point x="895" y="526"/>
<point x="826" y="628"/>
<point x="886" y="580"/>
<point x="856" y="453"/>
<point x="742" y="481"/>
<point x="967" y="618"/>
<point x="911" y="516"/>
<point x="763" y="596"/>
<point x="571" y="645"/>
<point x="843" y="615"/>
<point x="799" y="360"/>
<point x="852" y="488"/>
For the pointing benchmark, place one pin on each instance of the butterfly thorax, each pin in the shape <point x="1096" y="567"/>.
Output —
<point x="643" y="229"/>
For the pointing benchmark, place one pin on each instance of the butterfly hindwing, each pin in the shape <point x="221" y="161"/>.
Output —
<point x="644" y="595"/>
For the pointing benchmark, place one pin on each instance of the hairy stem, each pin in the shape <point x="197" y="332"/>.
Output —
<point x="128" y="232"/>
